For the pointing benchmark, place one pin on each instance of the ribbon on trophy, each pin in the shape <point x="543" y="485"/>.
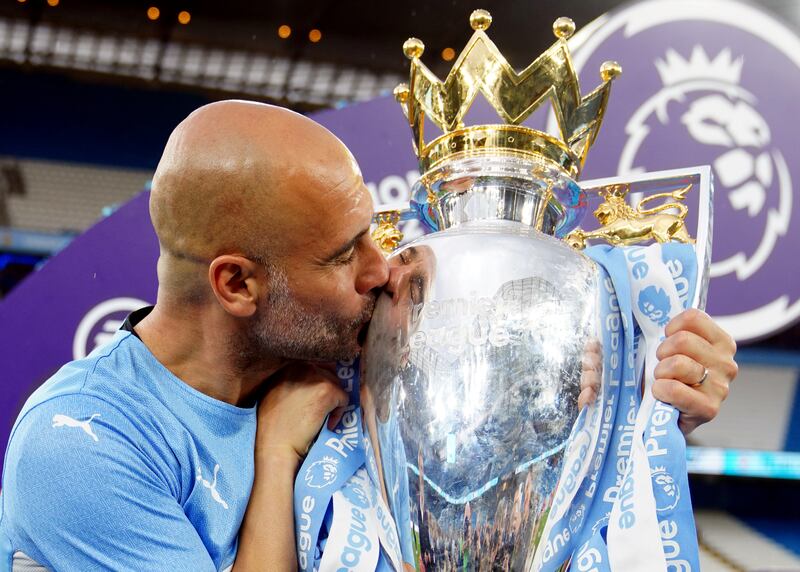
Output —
<point x="594" y="430"/>
<point x="652" y="516"/>
<point x="341" y="519"/>
<point x="632" y="510"/>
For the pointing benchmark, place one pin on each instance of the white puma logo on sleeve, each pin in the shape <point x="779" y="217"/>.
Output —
<point x="60" y="420"/>
<point x="212" y="486"/>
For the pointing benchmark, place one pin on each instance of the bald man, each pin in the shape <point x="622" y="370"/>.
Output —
<point x="145" y="454"/>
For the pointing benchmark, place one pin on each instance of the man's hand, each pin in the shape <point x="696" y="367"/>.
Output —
<point x="289" y="417"/>
<point x="693" y="344"/>
<point x="591" y="373"/>
<point x="292" y="412"/>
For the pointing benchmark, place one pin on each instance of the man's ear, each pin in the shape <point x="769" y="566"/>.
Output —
<point x="238" y="283"/>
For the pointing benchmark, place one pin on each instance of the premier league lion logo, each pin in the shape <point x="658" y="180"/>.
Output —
<point x="576" y="520"/>
<point x="702" y="100"/>
<point x="600" y="524"/>
<point x="708" y="86"/>
<point x="357" y="490"/>
<point x="321" y="473"/>
<point x="654" y="303"/>
<point x="665" y="490"/>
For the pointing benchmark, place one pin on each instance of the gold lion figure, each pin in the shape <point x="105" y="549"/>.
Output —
<point x="386" y="235"/>
<point x="623" y="226"/>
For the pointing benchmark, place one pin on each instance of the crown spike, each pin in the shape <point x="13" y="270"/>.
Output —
<point x="413" y="48"/>
<point x="401" y="93"/>
<point x="610" y="70"/>
<point x="563" y="28"/>
<point x="480" y="20"/>
<point x="482" y="68"/>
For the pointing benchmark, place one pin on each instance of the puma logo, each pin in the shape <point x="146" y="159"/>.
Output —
<point x="212" y="486"/>
<point x="60" y="420"/>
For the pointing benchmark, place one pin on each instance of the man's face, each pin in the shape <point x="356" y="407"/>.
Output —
<point x="322" y="290"/>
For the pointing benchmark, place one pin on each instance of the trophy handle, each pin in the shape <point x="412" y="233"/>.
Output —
<point x="620" y="224"/>
<point x="387" y="234"/>
<point x="624" y="225"/>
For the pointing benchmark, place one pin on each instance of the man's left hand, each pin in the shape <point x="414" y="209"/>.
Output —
<point x="695" y="368"/>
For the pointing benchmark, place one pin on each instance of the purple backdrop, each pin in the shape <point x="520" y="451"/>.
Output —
<point x="711" y="83"/>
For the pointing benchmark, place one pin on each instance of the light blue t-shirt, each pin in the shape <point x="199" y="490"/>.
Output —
<point x="116" y="464"/>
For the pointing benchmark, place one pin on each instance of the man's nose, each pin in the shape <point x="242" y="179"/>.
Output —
<point x="374" y="272"/>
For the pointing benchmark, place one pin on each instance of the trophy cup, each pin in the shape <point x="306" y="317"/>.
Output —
<point x="473" y="361"/>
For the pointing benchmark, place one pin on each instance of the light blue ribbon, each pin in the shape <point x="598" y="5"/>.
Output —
<point x="668" y="470"/>
<point x="333" y="459"/>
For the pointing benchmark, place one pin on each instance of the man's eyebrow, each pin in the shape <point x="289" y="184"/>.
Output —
<point x="350" y="244"/>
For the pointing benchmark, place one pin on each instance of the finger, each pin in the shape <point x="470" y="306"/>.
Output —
<point x="680" y="367"/>
<point x="686" y="424"/>
<point x="700" y="323"/>
<point x="590" y="379"/>
<point x="327" y="374"/>
<point x="688" y="344"/>
<point x="590" y="387"/>
<point x="339" y="397"/>
<point x="337" y="403"/>
<point x="593" y="346"/>
<point x="586" y="397"/>
<point x="591" y="362"/>
<point x="326" y="366"/>
<point x="689" y="401"/>
<point x="335" y="416"/>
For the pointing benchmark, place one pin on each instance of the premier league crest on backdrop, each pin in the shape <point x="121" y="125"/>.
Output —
<point x="712" y="82"/>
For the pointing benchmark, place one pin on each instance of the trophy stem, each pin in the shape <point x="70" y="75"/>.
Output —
<point x="527" y="190"/>
<point x="497" y="202"/>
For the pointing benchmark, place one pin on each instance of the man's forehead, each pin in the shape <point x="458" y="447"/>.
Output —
<point x="353" y="163"/>
<point x="325" y="201"/>
<point x="329" y="218"/>
<point x="350" y="195"/>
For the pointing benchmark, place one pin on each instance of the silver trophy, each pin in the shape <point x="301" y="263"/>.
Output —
<point x="472" y="368"/>
<point x="473" y="361"/>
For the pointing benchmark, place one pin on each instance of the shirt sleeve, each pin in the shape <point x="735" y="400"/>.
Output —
<point x="81" y="493"/>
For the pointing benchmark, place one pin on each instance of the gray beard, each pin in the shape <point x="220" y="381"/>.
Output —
<point x="286" y="328"/>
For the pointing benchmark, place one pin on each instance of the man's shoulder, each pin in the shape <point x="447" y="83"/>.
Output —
<point x="67" y="425"/>
<point x="82" y="400"/>
<point x="74" y="459"/>
<point x="102" y="373"/>
<point x="76" y="436"/>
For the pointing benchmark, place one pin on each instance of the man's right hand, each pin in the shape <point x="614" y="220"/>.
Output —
<point x="290" y="415"/>
<point x="292" y="412"/>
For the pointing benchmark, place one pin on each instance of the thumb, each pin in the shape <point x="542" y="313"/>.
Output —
<point x="341" y="407"/>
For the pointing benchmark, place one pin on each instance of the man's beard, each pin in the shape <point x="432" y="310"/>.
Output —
<point x="287" y="328"/>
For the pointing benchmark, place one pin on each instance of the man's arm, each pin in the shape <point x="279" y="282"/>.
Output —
<point x="266" y="539"/>
<point x="289" y="418"/>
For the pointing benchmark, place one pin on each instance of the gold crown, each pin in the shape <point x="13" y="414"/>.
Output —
<point x="515" y="96"/>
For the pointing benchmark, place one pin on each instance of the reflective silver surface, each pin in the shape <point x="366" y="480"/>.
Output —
<point x="471" y="374"/>
<point x="500" y="187"/>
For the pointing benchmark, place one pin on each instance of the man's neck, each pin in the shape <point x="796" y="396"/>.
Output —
<point x="193" y="345"/>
